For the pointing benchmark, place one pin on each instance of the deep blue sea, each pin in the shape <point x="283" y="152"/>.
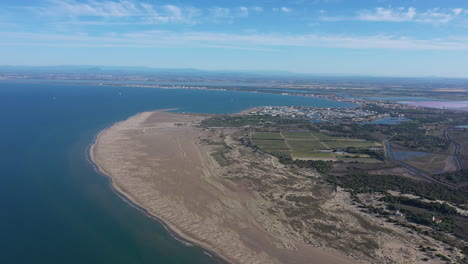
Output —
<point x="55" y="207"/>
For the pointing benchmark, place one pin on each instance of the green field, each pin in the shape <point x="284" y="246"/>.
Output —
<point x="308" y="145"/>
<point x="343" y="144"/>
<point x="299" y="135"/>
<point x="298" y="145"/>
<point x="325" y="137"/>
<point x="271" y="145"/>
<point x="266" y="135"/>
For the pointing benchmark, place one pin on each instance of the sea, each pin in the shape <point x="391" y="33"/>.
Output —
<point x="55" y="207"/>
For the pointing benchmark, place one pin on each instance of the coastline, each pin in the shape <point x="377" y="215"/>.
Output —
<point x="171" y="229"/>
<point x="186" y="193"/>
<point x="209" y="87"/>
<point x="166" y="166"/>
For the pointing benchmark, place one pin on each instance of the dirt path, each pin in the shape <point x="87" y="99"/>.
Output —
<point x="321" y="142"/>
<point x="286" y="142"/>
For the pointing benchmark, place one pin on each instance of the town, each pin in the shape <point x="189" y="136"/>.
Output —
<point x="320" y="114"/>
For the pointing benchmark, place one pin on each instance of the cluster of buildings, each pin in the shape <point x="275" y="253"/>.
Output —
<point x="175" y="87"/>
<point x="390" y="105"/>
<point x="393" y="105"/>
<point x="320" y="114"/>
<point x="329" y="96"/>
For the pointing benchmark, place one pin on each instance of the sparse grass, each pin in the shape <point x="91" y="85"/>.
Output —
<point x="221" y="158"/>
<point x="301" y="199"/>
<point x="429" y="159"/>
<point x="325" y="228"/>
<point x="312" y="154"/>
<point x="370" y="244"/>
<point x="432" y="163"/>
<point x="363" y="160"/>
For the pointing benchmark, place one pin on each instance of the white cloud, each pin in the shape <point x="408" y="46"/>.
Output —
<point x="220" y="12"/>
<point x="130" y="11"/>
<point x="96" y="11"/>
<point x="174" y="10"/>
<point x="435" y="16"/>
<point x="388" y="14"/>
<point x="457" y="11"/>
<point x="410" y="14"/>
<point x="92" y="8"/>
<point x="257" y="8"/>
<point x="253" y="41"/>
<point x="229" y="14"/>
<point x="244" y="11"/>
<point x="282" y="9"/>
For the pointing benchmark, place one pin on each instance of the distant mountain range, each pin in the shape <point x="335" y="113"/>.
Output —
<point x="87" y="69"/>
<point x="92" y="72"/>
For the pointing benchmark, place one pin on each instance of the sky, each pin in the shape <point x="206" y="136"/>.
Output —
<point x="342" y="37"/>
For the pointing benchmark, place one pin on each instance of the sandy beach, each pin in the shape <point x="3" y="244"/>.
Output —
<point x="155" y="161"/>
<point x="243" y="206"/>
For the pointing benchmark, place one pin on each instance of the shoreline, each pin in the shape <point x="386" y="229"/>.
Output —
<point x="210" y="87"/>
<point x="156" y="163"/>
<point x="172" y="231"/>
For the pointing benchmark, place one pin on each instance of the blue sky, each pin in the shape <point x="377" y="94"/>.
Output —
<point x="365" y="37"/>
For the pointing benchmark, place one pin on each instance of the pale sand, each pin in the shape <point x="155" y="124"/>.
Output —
<point x="160" y="165"/>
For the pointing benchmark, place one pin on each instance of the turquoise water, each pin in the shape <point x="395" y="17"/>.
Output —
<point x="55" y="207"/>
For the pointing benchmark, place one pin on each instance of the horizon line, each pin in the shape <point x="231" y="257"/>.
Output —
<point x="265" y="71"/>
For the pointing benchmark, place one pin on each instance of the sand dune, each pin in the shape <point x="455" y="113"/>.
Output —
<point x="156" y="160"/>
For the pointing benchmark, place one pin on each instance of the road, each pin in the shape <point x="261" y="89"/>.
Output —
<point x="456" y="152"/>
<point x="389" y="154"/>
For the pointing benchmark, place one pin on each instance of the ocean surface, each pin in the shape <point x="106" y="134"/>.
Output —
<point x="55" y="207"/>
<point x="131" y="82"/>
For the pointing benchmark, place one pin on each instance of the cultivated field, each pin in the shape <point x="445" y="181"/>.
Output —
<point x="316" y="146"/>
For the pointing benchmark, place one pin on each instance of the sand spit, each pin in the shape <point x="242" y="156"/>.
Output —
<point x="156" y="161"/>
<point x="241" y="204"/>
